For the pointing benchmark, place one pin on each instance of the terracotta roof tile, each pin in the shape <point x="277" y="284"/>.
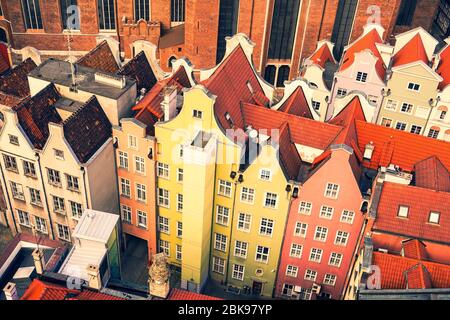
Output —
<point x="100" y="58"/>
<point x="322" y="55"/>
<point x="296" y="104"/>
<point x="178" y="294"/>
<point x="443" y="68"/>
<point x="417" y="277"/>
<point x="15" y="81"/>
<point x="9" y="100"/>
<point x="290" y="159"/>
<point x="412" y="51"/>
<point x="140" y="70"/>
<point x="432" y="174"/>
<point x="346" y="119"/>
<point x="415" y="249"/>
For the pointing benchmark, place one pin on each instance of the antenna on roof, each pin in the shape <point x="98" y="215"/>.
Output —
<point x="72" y="23"/>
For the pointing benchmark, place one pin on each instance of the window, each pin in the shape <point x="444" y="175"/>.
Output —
<point x="434" y="217"/>
<point x="400" y="126"/>
<point x="179" y="202"/>
<point x="218" y="265"/>
<point x="282" y="75"/>
<point x="35" y="196"/>
<point x="59" y="154"/>
<point x="341" y="92"/>
<point x="197" y="114"/>
<point x="391" y="105"/>
<point x="240" y="249"/>
<point x="415" y="129"/>
<point x="341" y="238"/>
<point x="10" y="163"/>
<point x="372" y="99"/>
<point x="305" y="208"/>
<point x="141" y="192"/>
<point x="406" y="12"/>
<point x="132" y="142"/>
<point x="343" y="24"/>
<point x="262" y="254"/>
<point x="139" y="164"/>
<point x="413" y="86"/>
<point x="287" y="289"/>
<point x="225" y="188"/>
<point x="291" y="271"/>
<point x="332" y="190"/>
<point x="222" y="216"/>
<point x="77" y="210"/>
<point x="58" y="204"/>
<point x="29" y="169"/>
<point x="385" y="122"/>
<point x="361" y="76"/>
<point x="163" y="198"/>
<point x="244" y="222"/>
<point x="123" y="160"/>
<point x="329" y="279"/>
<point x="265" y="174"/>
<point x="316" y="105"/>
<point x="125" y="189"/>
<point x="126" y="213"/>
<point x="72" y="183"/>
<point x="270" y="200"/>
<point x="164" y="247"/>
<point x="310" y="275"/>
<point x="335" y="259"/>
<point x="406" y="107"/>
<point x="142" y="219"/>
<point x="220" y="242"/>
<point x="300" y="229"/>
<point x="24" y="218"/>
<point x="106" y="15"/>
<point x="17" y="191"/>
<point x="178" y="253"/>
<point x="238" y="272"/>
<point x="247" y="195"/>
<point x="164" y="224"/>
<point x="296" y="250"/>
<point x="70" y="15"/>
<point x="32" y="14"/>
<point x="228" y="19"/>
<point x="403" y="211"/>
<point x="315" y="255"/>
<point x="163" y="170"/>
<point x="266" y="227"/>
<point x="321" y="234"/>
<point x="177" y="11"/>
<point x="347" y="216"/>
<point x="13" y="139"/>
<point x="53" y="177"/>
<point x="326" y="212"/>
<point x="442" y="114"/>
<point x="433" y="133"/>
<point x="41" y="224"/>
<point x="180" y="175"/>
<point x="179" y="229"/>
<point x="141" y="10"/>
<point x="63" y="232"/>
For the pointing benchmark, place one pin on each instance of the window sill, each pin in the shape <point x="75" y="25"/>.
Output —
<point x="56" y="185"/>
<point x="30" y="176"/>
<point x="37" y="204"/>
<point x="63" y="213"/>
<point x="12" y="170"/>
<point x="74" y="190"/>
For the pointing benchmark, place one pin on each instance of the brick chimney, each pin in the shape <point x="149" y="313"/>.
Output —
<point x="95" y="281"/>
<point x="159" y="276"/>
<point x="10" y="291"/>
<point x="39" y="263"/>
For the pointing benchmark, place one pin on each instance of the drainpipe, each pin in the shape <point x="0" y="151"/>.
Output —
<point x="45" y="195"/>
<point x="431" y="111"/>
<point x="83" y="170"/>
<point x="9" y="202"/>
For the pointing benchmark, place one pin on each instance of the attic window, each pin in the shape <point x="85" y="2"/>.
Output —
<point x="250" y="88"/>
<point x="434" y="217"/>
<point x="403" y="211"/>
<point x="413" y="86"/>
<point x="13" y="140"/>
<point x="59" y="154"/>
<point x="197" y="114"/>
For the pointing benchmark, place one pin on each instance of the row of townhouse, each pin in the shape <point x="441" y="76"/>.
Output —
<point x="405" y="85"/>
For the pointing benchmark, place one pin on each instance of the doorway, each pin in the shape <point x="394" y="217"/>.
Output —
<point x="257" y="288"/>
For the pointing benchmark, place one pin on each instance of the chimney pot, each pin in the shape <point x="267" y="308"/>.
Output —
<point x="10" y="291"/>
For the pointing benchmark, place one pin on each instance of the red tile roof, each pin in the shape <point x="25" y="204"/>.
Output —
<point x="296" y="104"/>
<point x="15" y="81"/>
<point x="443" y="68"/>
<point x="414" y="249"/>
<point x="100" y="58"/>
<point x="420" y="202"/>
<point x="322" y="55"/>
<point x="412" y="51"/>
<point x="40" y="290"/>
<point x="289" y="157"/>
<point x="399" y="147"/>
<point x="398" y="272"/>
<point x="178" y="294"/>
<point x="346" y="118"/>
<point x="432" y="174"/>
<point x="4" y="64"/>
<point x="366" y="42"/>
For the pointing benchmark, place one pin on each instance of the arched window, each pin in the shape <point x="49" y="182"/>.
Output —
<point x="172" y="59"/>
<point x="434" y="132"/>
<point x="283" y="75"/>
<point x="269" y="74"/>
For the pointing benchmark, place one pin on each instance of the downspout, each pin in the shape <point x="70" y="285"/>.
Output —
<point x="83" y="170"/>
<point x="9" y="203"/>
<point x="429" y="114"/>
<point x="38" y="158"/>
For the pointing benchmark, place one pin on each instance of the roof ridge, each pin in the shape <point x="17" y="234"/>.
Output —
<point x="77" y="112"/>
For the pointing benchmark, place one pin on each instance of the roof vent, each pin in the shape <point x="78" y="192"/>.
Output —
<point x="368" y="151"/>
<point x="110" y="80"/>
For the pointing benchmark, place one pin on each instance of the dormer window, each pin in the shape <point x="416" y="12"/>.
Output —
<point x="368" y="151"/>
<point x="59" y="154"/>
<point x="361" y="77"/>
<point x="434" y="217"/>
<point x="414" y="86"/>
<point x="197" y="114"/>
<point x="13" y="140"/>
<point x="403" y="211"/>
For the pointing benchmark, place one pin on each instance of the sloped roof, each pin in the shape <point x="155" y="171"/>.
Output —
<point x="399" y="147"/>
<point x="346" y="119"/>
<point x="178" y="294"/>
<point x="322" y="55"/>
<point x="4" y="64"/>
<point x="412" y="51"/>
<point x="296" y="104"/>
<point x="443" y="68"/>
<point x="35" y="113"/>
<point x="140" y="70"/>
<point x="420" y="202"/>
<point x="432" y="174"/>
<point x="15" y="81"/>
<point x="289" y="157"/>
<point x="100" y="58"/>
<point x="415" y="249"/>
<point x="87" y="129"/>
<point x="366" y="42"/>
<point x="9" y="100"/>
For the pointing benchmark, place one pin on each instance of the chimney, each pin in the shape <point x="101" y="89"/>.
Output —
<point x="11" y="291"/>
<point x="368" y="151"/>
<point x="159" y="276"/>
<point x="39" y="263"/>
<point x="94" y="277"/>
<point x="169" y="103"/>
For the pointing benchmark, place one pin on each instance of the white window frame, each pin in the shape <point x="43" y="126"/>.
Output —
<point x="266" y="227"/>
<point x="220" y="242"/>
<point x="139" y="165"/>
<point x="244" y="222"/>
<point x="302" y="228"/>
<point x="315" y="255"/>
<point x="141" y="216"/>
<point x="248" y="195"/>
<point x="218" y="265"/>
<point x="164" y="224"/>
<point x="266" y="194"/>
<point x="347" y="216"/>
<point x="225" y="188"/>
<point x="310" y="275"/>
<point x="296" y="250"/>
<point x="337" y="258"/>
<point x="163" y="198"/>
<point x="126" y="213"/>
<point x="240" y="249"/>
<point x="331" y="190"/>
<point x="222" y="215"/>
<point x="123" y="160"/>
<point x="265" y="174"/>
<point x="325" y="212"/>
<point x="261" y="256"/>
<point x="291" y="271"/>
<point x="238" y="272"/>
<point x="340" y="236"/>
